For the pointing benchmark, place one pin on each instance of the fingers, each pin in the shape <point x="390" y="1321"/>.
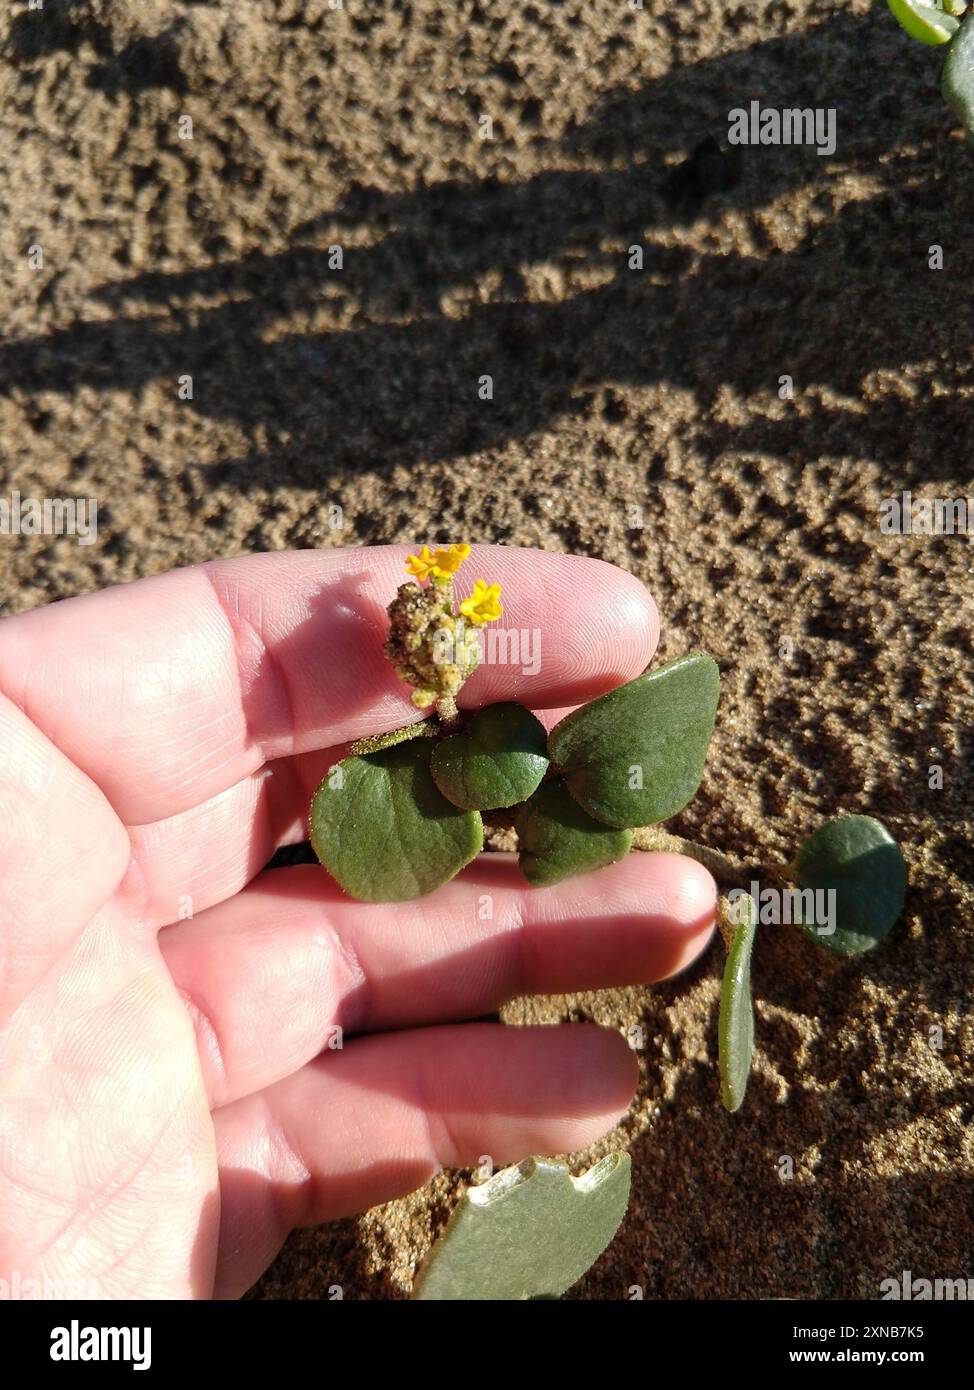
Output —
<point x="63" y="851"/>
<point x="378" y="1118"/>
<point x="188" y="862"/>
<point x="270" y="975"/>
<point x="168" y="691"/>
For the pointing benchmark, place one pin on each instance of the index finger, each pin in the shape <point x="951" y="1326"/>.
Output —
<point x="170" y="690"/>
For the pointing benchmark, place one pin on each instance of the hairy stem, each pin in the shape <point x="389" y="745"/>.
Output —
<point x="727" y="922"/>
<point x="723" y="868"/>
<point x="447" y="713"/>
<point x="727" y="871"/>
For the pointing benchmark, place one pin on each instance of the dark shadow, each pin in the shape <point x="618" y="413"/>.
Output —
<point x="61" y="26"/>
<point x="143" y="64"/>
<point x="398" y="380"/>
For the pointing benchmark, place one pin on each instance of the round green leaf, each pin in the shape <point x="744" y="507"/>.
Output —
<point x="557" y="838"/>
<point x="924" y="22"/>
<point x="528" y="1232"/>
<point x="735" y="1024"/>
<point x="957" y="81"/>
<point x="636" y="756"/>
<point x="497" y="759"/>
<point x="856" y="858"/>
<point x="381" y="827"/>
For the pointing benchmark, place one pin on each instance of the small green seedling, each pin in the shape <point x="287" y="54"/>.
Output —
<point x="403" y="813"/>
<point x="849" y="887"/>
<point x="939" y="24"/>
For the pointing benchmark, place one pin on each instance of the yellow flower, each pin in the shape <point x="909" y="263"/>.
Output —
<point x="422" y="565"/>
<point x="442" y="566"/>
<point x="484" y="604"/>
<point x="449" y="561"/>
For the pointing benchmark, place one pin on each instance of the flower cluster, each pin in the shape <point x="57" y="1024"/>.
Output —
<point x="429" y="642"/>
<point x="440" y="567"/>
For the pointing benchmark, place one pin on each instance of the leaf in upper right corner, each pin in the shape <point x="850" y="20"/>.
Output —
<point x="856" y="859"/>
<point x="636" y="755"/>
<point x="924" y="22"/>
<point x="957" y="81"/>
<point x="735" y="1025"/>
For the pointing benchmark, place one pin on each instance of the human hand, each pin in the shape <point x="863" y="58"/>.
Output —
<point x="169" y="1107"/>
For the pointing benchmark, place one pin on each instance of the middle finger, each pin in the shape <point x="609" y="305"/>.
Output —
<point x="268" y="974"/>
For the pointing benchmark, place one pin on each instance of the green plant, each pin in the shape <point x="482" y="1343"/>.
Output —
<point x="403" y="813"/>
<point x="938" y="24"/>
<point x="629" y="759"/>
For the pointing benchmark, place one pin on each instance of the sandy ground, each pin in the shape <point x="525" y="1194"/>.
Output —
<point x="656" y="388"/>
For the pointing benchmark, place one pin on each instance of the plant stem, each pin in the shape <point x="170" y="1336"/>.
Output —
<point x="727" y="922"/>
<point x="725" y="870"/>
<point x="447" y="713"/>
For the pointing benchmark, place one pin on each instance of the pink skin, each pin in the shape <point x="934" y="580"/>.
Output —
<point x="169" y="1109"/>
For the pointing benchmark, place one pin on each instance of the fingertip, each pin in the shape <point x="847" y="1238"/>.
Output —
<point x="616" y="617"/>
<point x="636" y="609"/>
<point x="622" y="1070"/>
<point x="586" y="625"/>
<point x="601" y="1081"/>
<point x="691" y="896"/>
